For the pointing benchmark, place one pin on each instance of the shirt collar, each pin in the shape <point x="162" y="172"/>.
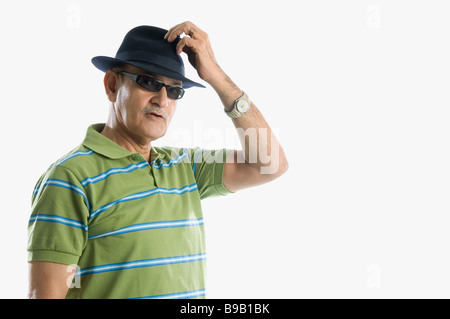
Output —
<point x="99" y="143"/>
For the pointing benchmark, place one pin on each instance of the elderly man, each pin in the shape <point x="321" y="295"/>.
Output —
<point x="119" y="218"/>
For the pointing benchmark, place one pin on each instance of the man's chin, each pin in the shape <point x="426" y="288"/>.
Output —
<point x="153" y="133"/>
<point x="154" y="137"/>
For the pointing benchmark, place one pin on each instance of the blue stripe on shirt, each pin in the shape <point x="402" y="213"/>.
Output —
<point x="59" y="220"/>
<point x="178" y="295"/>
<point x="172" y="161"/>
<point x="149" y="226"/>
<point x="79" y="153"/>
<point x="63" y="184"/>
<point x="112" y="171"/>
<point x="194" y="168"/>
<point x="175" y="191"/>
<point x="131" y="168"/>
<point x="140" y="264"/>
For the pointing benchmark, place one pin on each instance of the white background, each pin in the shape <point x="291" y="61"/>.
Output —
<point x="358" y="92"/>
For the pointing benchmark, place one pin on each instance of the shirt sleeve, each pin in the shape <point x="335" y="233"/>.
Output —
<point x="208" y="166"/>
<point x="57" y="229"/>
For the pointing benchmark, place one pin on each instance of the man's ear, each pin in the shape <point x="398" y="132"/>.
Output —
<point x="111" y="82"/>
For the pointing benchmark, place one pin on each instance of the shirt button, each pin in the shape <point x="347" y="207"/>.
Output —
<point x="136" y="157"/>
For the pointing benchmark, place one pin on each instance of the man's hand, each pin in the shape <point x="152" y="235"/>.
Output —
<point x="198" y="49"/>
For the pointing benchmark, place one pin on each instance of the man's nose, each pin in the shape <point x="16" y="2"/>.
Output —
<point x="160" y="98"/>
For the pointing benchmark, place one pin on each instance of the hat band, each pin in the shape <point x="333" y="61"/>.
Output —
<point x="156" y="59"/>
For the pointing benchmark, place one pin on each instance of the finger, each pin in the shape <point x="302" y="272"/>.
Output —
<point x="169" y="32"/>
<point x="177" y="31"/>
<point x="187" y="28"/>
<point x="184" y="44"/>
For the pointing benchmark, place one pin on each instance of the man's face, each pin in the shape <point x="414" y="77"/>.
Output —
<point x="145" y="115"/>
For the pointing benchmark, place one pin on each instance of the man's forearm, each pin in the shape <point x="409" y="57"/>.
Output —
<point x="260" y="145"/>
<point x="227" y="90"/>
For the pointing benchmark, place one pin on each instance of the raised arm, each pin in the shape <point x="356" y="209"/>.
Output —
<point x="262" y="158"/>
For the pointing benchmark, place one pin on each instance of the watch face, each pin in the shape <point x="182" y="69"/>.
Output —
<point x="242" y="106"/>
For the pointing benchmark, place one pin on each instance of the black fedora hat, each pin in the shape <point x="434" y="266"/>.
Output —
<point x="145" y="47"/>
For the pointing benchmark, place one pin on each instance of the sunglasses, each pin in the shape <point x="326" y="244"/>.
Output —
<point x="154" y="85"/>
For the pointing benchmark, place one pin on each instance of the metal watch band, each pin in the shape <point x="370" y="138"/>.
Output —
<point x="235" y="113"/>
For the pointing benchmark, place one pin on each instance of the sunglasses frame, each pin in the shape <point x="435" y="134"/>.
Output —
<point x="135" y="78"/>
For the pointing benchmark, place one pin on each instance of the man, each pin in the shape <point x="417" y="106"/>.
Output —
<point x="124" y="214"/>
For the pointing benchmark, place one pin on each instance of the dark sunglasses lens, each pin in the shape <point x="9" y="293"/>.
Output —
<point x="149" y="83"/>
<point x="154" y="85"/>
<point x="175" y="92"/>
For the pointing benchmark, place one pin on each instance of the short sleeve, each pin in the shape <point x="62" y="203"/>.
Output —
<point x="208" y="166"/>
<point x="57" y="229"/>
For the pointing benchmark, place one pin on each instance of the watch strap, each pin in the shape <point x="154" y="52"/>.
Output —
<point x="235" y="113"/>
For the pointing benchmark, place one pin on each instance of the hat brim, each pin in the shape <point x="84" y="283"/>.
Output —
<point x="105" y="63"/>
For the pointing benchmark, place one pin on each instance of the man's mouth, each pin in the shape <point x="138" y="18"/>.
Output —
<point x="155" y="115"/>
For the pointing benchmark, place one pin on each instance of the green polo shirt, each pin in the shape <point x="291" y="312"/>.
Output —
<point x="132" y="229"/>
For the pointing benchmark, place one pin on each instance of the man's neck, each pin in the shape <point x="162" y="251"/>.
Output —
<point x="121" y="137"/>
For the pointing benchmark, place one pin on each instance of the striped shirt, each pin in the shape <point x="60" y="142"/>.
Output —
<point x="133" y="230"/>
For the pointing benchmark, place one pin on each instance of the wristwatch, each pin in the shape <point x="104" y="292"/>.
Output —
<point x="240" y="107"/>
